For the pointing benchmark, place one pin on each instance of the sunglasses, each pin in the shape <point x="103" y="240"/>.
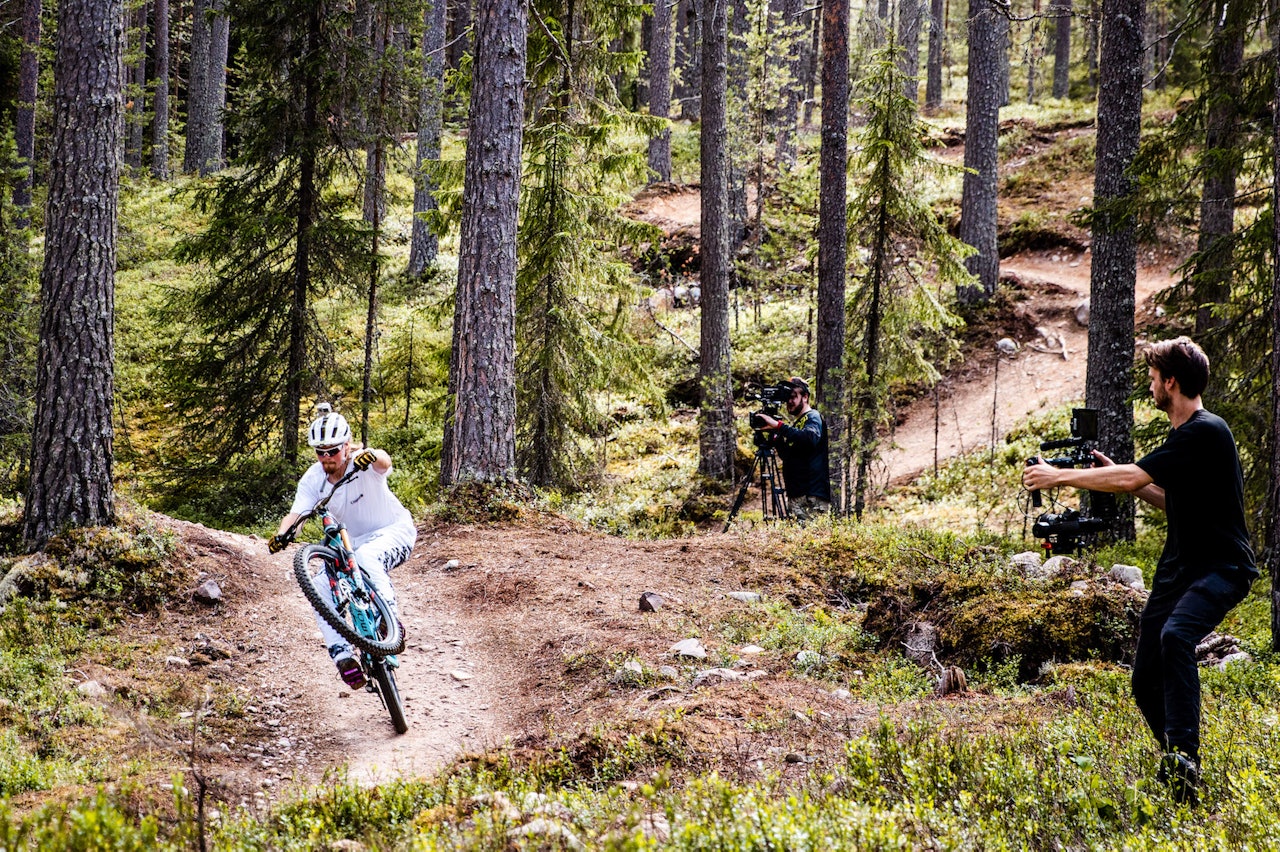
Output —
<point x="328" y="451"/>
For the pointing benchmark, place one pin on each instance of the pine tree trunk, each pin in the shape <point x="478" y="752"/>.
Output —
<point x="1214" y="261"/>
<point x="717" y="445"/>
<point x="459" y="40"/>
<point x="833" y="164"/>
<point x="1271" y="535"/>
<point x="25" y="112"/>
<point x="736" y="91"/>
<point x="1061" y="48"/>
<point x="211" y="153"/>
<point x="689" y="49"/>
<point x="786" y="153"/>
<point x="375" y="166"/>
<point x="660" y="88"/>
<point x="811" y="72"/>
<point x="937" y="38"/>
<point x="197" y="86"/>
<point x="909" y="38"/>
<point x="424" y="244"/>
<point x="1112" y="279"/>
<point x="1091" y="44"/>
<point x="481" y="419"/>
<point x="71" y="447"/>
<point x="978" y="225"/>
<point x="160" y="96"/>
<point x="1006" y="50"/>
<point x="135" y="112"/>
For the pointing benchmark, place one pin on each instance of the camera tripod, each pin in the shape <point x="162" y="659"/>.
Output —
<point x="773" y="493"/>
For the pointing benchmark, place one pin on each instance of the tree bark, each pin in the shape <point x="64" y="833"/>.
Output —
<point x="211" y="153"/>
<point x="71" y="447"/>
<point x="459" y="39"/>
<point x="1214" y="260"/>
<point x="937" y="37"/>
<point x="1061" y="48"/>
<point x="660" y="88"/>
<point x="978" y="225"/>
<point x="689" y="55"/>
<point x="833" y="165"/>
<point x="160" y="95"/>
<point x="1271" y="535"/>
<point x="25" y="117"/>
<point x="197" y="86"/>
<point x="480" y="436"/>
<point x="811" y="72"/>
<point x="793" y="18"/>
<point x="909" y="38"/>
<point x="717" y="445"/>
<point x="424" y="244"/>
<point x="1112" y="279"/>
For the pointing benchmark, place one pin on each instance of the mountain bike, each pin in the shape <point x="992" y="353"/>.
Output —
<point x="352" y="607"/>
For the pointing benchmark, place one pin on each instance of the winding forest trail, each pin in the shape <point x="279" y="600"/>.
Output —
<point x="980" y="405"/>
<point x="495" y="613"/>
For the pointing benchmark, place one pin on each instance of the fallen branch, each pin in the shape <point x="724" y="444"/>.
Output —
<point x="648" y="307"/>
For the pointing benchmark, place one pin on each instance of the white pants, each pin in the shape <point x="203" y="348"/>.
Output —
<point x="377" y="553"/>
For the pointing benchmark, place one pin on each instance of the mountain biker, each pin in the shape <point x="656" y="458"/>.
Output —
<point x="381" y="529"/>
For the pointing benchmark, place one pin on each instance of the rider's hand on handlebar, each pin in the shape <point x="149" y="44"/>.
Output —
<point x="277" y="543"/>
<point x="364" y="459"/>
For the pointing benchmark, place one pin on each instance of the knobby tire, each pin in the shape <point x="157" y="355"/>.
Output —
<point x="385" y="677"/>
<point x="391" y="643"/>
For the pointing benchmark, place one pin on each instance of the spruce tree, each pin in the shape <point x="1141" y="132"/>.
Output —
<point x="573" y="289"/>
<point x="897" y="319"/>
<point x="278" y="236"/>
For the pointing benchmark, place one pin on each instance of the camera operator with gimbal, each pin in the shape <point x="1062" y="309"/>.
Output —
<point x="1207" y="565"/>
<point x="803" y="450"/>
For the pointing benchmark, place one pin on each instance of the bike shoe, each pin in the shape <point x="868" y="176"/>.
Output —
<point x="350" y="672"/>
<point x="1182" y="776"/>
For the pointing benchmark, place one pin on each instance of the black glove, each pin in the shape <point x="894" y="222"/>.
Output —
<point x="277" y="543"/>
<point x="364" y="459"/>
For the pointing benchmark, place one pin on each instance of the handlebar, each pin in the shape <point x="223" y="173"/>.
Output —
<point x="318" y="508"/>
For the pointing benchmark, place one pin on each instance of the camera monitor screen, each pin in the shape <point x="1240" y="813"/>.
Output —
<point x="1084" y="423"/>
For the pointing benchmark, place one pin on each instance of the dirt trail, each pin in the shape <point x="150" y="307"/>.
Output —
<point x="302" y="718"/>
<point x="1020" y="385"/>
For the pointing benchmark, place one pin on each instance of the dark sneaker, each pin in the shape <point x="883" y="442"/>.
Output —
<point x="1182" y="776"/>
<point x="350" y="672"/>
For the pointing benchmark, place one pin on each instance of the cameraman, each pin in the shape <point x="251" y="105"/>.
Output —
<point x="1207" y="564"/>
<point x="803" y="450"/>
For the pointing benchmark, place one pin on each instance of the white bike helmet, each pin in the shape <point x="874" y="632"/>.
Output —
<point x="329" y="429"/>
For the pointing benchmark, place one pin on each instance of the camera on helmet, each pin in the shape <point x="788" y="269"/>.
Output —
<point x="771" y="398"/>
<point x="1068" y="530"/>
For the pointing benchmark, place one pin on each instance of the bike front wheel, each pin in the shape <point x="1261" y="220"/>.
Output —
<point x="385" y="677"/>
<point x="315" y="558"/>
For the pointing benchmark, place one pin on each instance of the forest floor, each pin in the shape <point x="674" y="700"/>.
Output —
<point x="513" y="626"/>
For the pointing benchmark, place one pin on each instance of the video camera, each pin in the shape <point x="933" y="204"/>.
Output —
<point x="1071" y="529"/>
<point x="771" y="399"/>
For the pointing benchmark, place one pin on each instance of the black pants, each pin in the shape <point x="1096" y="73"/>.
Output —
<point x="1166" y="681"/>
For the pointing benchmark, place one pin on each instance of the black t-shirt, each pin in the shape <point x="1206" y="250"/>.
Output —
<point x="803" y="450"/>
<point x="1199" y="469"/>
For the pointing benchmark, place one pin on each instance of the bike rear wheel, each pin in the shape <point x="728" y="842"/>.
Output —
<point x="314" y="558"/>
<point x="385" y="677"/>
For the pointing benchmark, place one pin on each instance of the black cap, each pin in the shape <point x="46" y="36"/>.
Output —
<point x="801" y="384"/>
